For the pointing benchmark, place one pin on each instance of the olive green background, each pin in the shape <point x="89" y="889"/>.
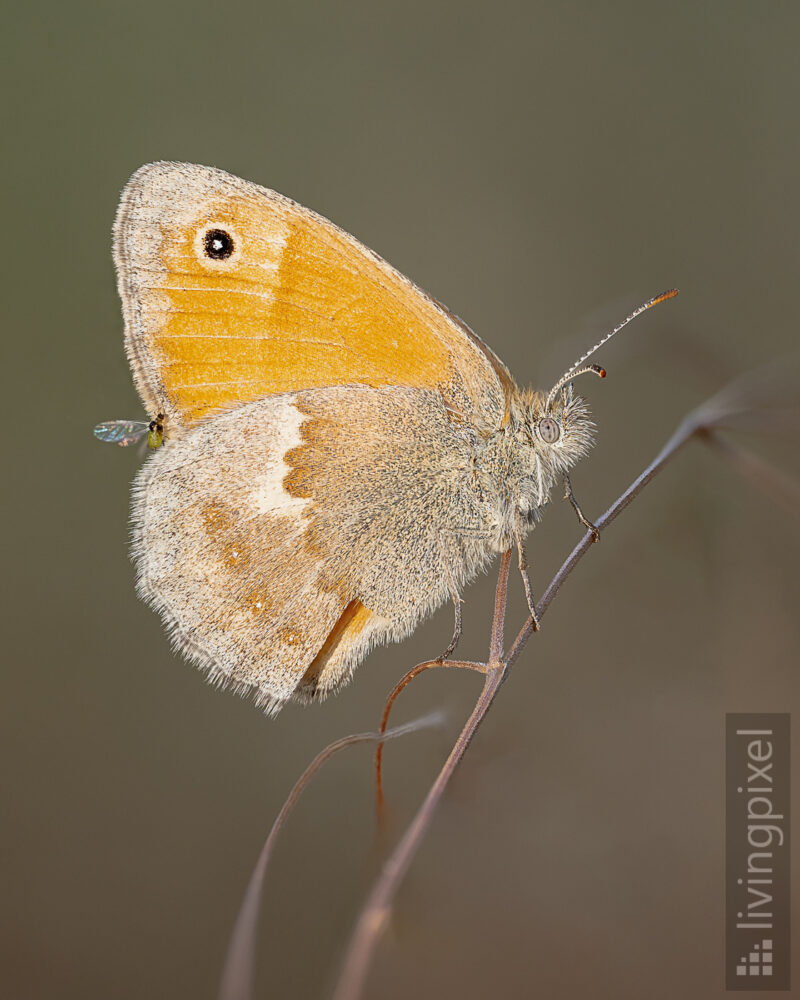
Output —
<point x="539" y="167"/>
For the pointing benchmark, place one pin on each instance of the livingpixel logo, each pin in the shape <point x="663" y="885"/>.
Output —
<point x="757" y="851"/>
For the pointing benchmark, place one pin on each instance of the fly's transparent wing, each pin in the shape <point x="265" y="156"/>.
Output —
<point x="121" y="432"/>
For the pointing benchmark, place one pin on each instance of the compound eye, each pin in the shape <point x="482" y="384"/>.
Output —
<point x="549" y="430"/>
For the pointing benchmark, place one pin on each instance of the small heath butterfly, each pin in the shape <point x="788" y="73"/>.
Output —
<point x="335" y="453"/>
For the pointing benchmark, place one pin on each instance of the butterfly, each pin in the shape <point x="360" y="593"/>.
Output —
<point x="340" y="454"/>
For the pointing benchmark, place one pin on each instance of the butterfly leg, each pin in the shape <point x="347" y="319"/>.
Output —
<point x="456" y="632"/>
<point x="569" y="495"/>
<point x="522" y="562"/>
<point x="456" y="604"/>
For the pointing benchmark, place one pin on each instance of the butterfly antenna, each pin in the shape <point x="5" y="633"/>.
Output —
<point x="578" y="368"/>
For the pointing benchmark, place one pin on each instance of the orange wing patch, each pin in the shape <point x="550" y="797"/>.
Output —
<point x="288" y="302"/>
<point x="322" y="671"/>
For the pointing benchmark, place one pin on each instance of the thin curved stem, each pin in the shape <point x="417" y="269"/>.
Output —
<point x="499" y="616"/>
<point x="387" y="708"/>
<point x="238" y="972"/>
<point x="495" y="655"/>
<point x="782" y="489"/>
<point x="684" y="433"/>
<point x="378" y="905"/>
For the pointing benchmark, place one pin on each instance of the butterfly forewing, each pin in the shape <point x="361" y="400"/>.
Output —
<point x="232" y="292"/>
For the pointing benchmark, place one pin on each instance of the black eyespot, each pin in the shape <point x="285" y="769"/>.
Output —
<point x="218" y="244"/>
<point x="549" y="430"/>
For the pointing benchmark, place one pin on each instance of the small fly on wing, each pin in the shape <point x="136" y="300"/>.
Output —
<point x="125" y="432"/>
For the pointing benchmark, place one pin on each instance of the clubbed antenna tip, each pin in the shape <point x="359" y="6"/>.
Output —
<point x="578" y="368"/>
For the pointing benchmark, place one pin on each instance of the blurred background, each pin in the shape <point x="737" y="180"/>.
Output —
<point x="540" y="168"/>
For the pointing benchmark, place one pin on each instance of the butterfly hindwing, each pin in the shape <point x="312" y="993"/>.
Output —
<point x="270" y="537"/>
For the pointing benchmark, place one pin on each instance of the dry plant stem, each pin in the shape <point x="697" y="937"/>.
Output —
<point x="412" y="673"/>
<point x="497" y="637"/>
<point x="781" y="488"/>
<point x="378" y="905"/>
<point x="377" y="908"/>
<point x="495" y="653"/>
<point x="237" y="975"/>
<point x="684" y="433"/>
